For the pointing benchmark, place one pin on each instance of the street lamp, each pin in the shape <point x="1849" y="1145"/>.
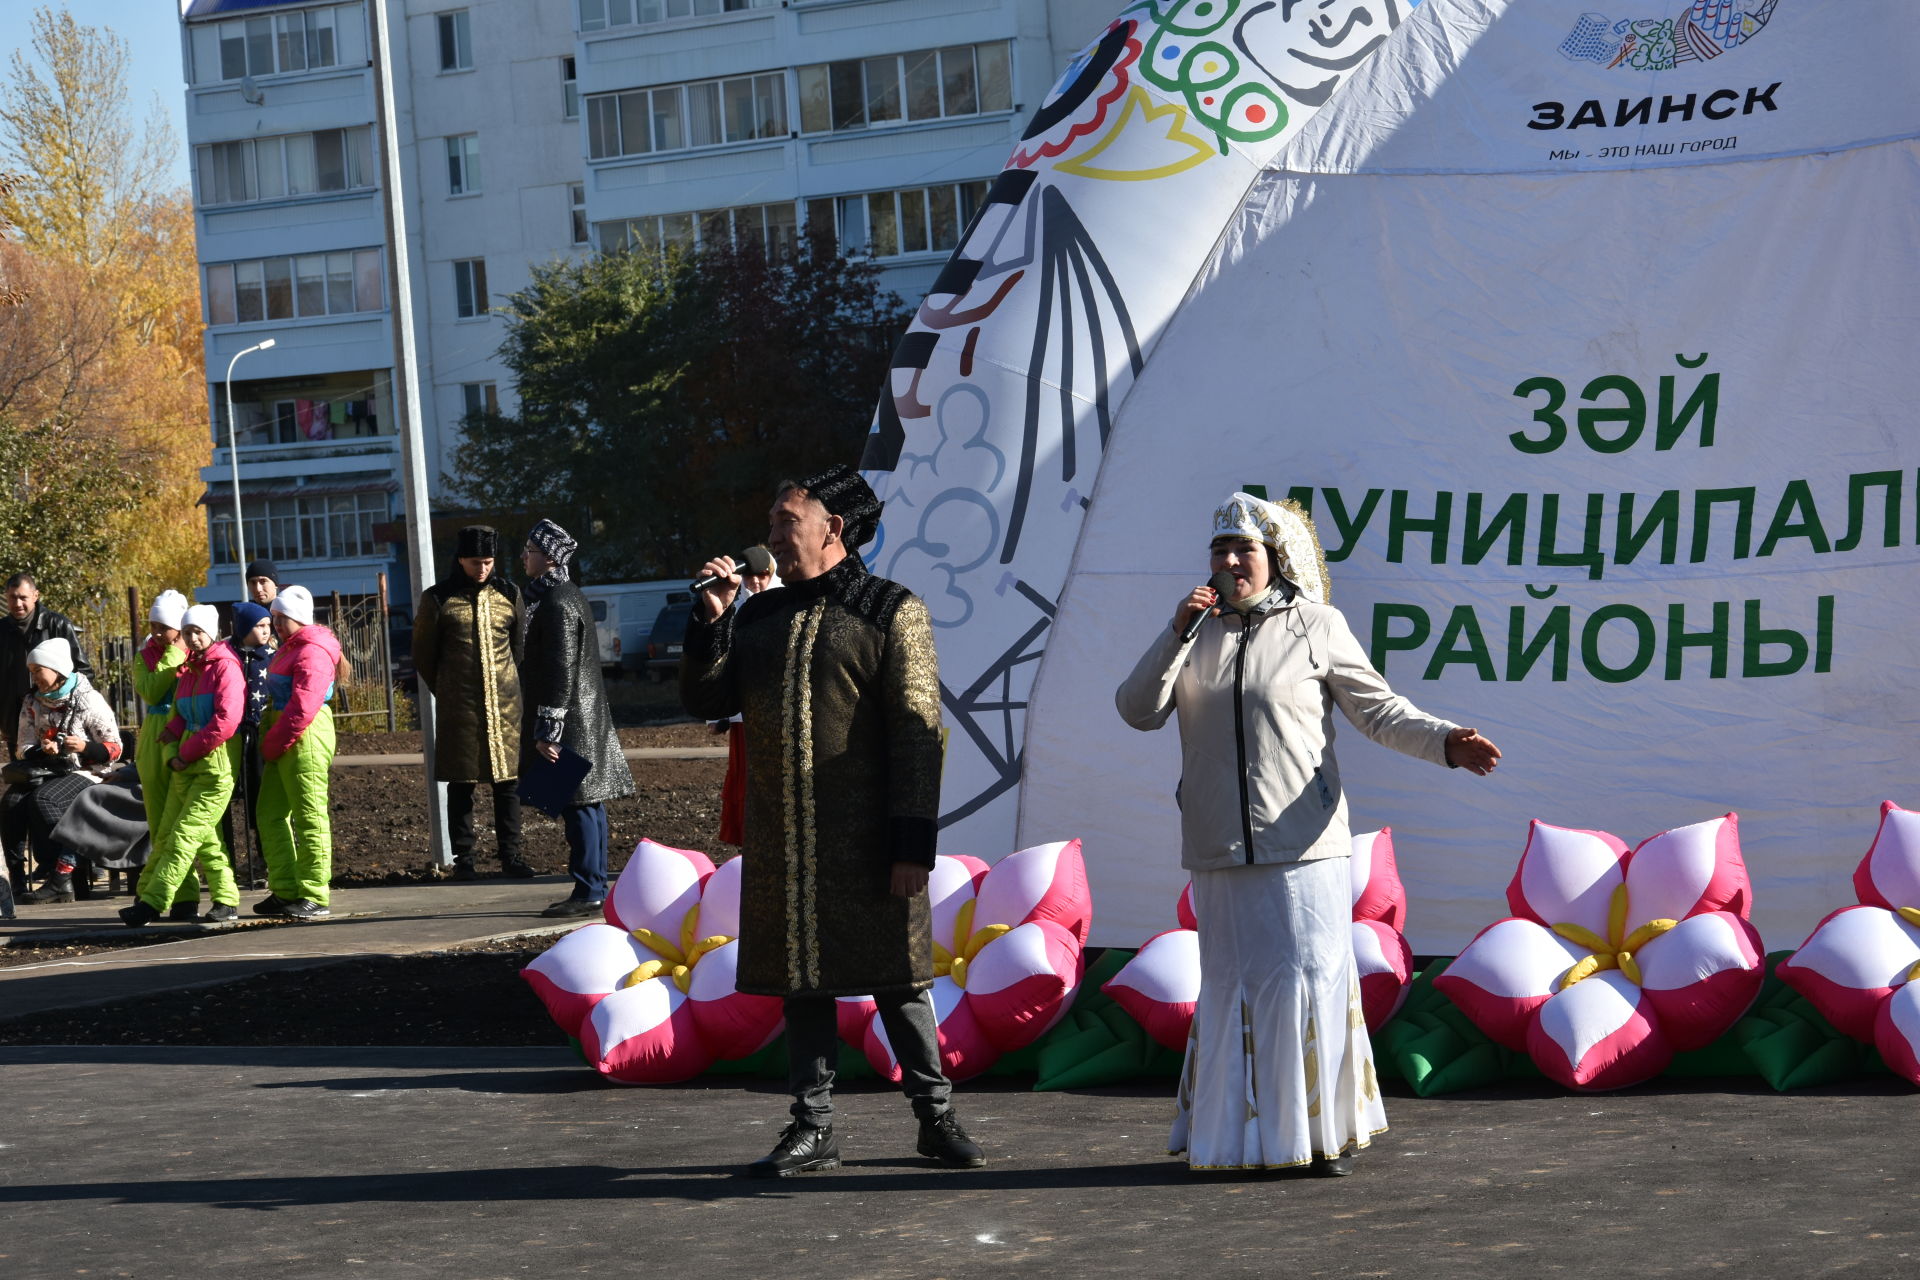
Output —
<point x="233" y="460"/>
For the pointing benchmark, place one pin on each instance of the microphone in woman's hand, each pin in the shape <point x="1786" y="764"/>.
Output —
<point x="1222" y="583"/>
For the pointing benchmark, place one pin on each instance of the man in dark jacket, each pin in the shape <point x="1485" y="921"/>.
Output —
<point x="28" y="623"/>
<point x="835" y="677"/>
<point x="566" y="705"/>
<point x="466" y="647"/>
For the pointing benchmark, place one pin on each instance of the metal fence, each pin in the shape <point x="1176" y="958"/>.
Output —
<point x="366" y="697"/>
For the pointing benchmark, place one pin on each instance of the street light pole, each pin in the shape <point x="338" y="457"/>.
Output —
<point x="233" y="461"/>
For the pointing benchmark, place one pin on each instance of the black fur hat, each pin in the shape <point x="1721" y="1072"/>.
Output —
<point x="478" y="541"/>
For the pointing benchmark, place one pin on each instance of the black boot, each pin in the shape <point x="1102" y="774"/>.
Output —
<point x="514" y="867"/>
<point x="57" y="887"/>
<point x="463" y="867"/>
<point x="184" y="910"/>
<point x="802" y="1149"/>
<point x="139" y="915"/>
<point x="942" y="1139"/>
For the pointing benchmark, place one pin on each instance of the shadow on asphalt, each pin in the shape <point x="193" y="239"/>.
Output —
<point x="698" y="1182"/>
<point x="530" y="1083"/>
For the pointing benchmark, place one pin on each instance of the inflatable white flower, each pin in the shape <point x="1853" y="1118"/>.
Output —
<point x="1614" y="961"/>
<point x="1008" y="947"/>
<point x="650" y="994"/>
<point x="1161" y="984"/>
<point x="1861" y="965"/>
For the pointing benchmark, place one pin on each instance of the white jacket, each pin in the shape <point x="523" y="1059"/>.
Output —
<point x="1259" y="782"/>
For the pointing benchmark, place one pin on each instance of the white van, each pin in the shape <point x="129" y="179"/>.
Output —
<point x="623" y="613"/>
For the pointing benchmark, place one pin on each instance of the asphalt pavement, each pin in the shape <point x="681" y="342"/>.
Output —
<point x="471" y="1164"/>
<point x="478" y="1163"/>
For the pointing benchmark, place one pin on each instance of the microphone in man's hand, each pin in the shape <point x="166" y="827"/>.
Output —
<point x="1222" y="583"/>
<point x="751" y="562"/>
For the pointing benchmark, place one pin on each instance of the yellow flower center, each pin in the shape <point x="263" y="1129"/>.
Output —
<point x="1912" y="916"/>
<point x="1616" y="950"/>
<point x="676" y="962"/>
<point x="952" y="962"/>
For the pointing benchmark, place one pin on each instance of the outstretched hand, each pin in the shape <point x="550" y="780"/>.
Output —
<point x="1466" y="749"/>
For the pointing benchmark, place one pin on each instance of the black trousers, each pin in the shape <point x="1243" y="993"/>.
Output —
<point x="506" y="818"/>
<point x="813" y="1047"/>
<point x="243" y="853"/>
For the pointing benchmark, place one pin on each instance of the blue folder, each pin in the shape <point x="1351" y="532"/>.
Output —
<point x="550" y="787"/>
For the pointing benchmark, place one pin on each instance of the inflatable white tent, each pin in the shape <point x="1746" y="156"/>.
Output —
<point x="1586" y="337"/>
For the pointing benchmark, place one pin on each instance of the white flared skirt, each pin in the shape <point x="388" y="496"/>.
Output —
<point x="1279" y="1068"/>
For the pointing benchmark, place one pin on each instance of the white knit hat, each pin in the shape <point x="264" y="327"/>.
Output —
<point x="205" y="617"/>
<point x="168" y="608"/>
<point x="54" y="654"/>
<point x="296" y="603"/>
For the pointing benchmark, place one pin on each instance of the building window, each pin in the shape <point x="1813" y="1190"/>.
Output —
<point x="771" y="227"/>
<point x="479" y="397"/>
<point x="463" y="164"/>
<point x="299" y="287"/>
<point x="891" y="224"/>
<point x="597" y="15"/>
<point x="470" y="287"/>
<point x="569" y="89"/>
<point x="928" y="84"/>
<point x="331" y="527"/>
<point x="577" y="207"/>
<point x="676" y="117"/>
<point x="456" y="41"/>
<point x="300" y="41"/>
<point x="294" y="165"/>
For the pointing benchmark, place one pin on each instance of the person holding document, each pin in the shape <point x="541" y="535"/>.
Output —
<point x="566" y="707"/>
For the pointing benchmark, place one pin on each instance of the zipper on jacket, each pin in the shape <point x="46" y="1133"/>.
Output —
<point x="1240" y="734"/>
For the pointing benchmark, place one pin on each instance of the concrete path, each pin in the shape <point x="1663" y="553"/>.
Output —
<point x="389" y="920"/>
<point x="312" y="1164"/>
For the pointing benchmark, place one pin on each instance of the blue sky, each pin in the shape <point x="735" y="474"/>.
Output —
<point x="151" y="29"/>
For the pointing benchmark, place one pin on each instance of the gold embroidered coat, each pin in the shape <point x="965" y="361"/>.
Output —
<point x="466" y="647"/>
<point x="836" y="681"/>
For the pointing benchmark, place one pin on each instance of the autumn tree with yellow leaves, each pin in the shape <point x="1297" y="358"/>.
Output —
<point x="103" y="421"/>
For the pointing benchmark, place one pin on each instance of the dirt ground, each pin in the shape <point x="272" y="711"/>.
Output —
<point x="379" y="836"/>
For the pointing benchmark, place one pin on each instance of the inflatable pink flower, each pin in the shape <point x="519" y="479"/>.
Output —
<point x="650" y="994"/>
<point x="1008" y="951"/>
<point x="1614" y="961"/>
<point x="1160" y="985"/>
<point x="1859" y="966"/>
<point x="1381" y="955"/>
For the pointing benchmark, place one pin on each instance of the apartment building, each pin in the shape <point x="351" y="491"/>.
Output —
<point x="530" y="130"/>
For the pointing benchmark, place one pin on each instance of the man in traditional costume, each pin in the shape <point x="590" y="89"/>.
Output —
<point x="467" y="633"/>
<point x="835" y="676"/>
<point x="566" y="706"/>
<point x="1279" y="1069"/>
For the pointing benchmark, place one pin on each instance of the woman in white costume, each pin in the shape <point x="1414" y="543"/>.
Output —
<point x="1279" y="1069"/>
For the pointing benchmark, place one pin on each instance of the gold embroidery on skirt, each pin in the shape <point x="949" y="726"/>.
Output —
<point x="1312" y="1069"/>
<point x="1250" y="1060"/>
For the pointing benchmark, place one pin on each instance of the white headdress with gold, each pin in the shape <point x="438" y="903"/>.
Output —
<point x="1286" y="528"/>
